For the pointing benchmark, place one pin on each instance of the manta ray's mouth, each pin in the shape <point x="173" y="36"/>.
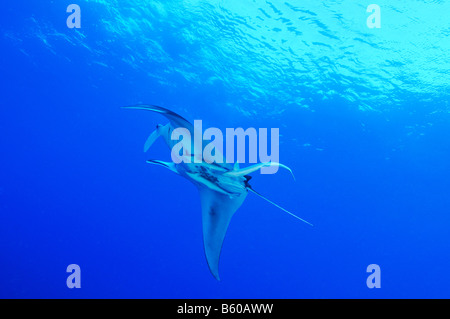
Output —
<point x="247" y="179"/>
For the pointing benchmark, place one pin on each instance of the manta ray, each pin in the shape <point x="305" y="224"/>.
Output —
<point x="223" y="187"/>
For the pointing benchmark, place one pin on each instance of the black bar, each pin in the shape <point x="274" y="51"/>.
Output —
<point x="219" y="308"/>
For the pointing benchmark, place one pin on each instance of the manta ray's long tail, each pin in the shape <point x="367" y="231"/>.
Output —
<point x="285" y="210"/>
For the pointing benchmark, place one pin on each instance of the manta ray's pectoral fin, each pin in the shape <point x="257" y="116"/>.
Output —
<point x="168" y="165"/>
<point x="174" y="118"/>
<point x="177" y="121"/>
<point x="251" y="169"/>
<point x="153" y="137"/>
<point x="217" y="210"/>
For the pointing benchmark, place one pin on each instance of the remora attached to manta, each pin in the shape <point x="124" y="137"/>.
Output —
<point x="222" y="186"/>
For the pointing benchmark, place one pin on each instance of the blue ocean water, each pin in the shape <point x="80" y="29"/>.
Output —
<point x="364" y="122"/>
